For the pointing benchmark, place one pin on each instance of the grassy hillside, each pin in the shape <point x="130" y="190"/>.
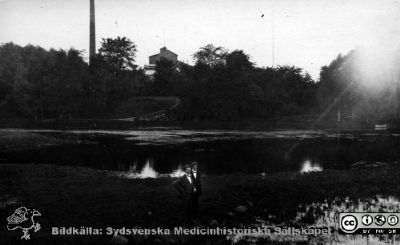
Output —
<point x="141" y="106"/>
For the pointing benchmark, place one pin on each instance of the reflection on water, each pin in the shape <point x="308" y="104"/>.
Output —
<point x="177" y="172"/>
<point x="148" y="171"/>
<point x="217" y="152"/>
<point x="309" y="166"/>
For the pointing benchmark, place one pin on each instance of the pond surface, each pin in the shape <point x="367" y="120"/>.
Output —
<point x="154" y="152"/>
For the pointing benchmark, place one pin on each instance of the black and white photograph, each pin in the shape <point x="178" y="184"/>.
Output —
<point x="205" y="122"/>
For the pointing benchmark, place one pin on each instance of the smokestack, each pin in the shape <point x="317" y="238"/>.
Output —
<point x="92" y="37"/>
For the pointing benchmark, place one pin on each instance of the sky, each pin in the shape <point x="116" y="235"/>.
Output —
<point x="305" y="33"/>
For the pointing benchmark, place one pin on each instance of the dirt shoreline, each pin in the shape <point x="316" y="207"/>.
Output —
<point x="292" y="122"/>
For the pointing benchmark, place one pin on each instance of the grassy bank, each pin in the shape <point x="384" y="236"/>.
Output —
<point x="17" y="140"/>
<point x="69" y="196"/>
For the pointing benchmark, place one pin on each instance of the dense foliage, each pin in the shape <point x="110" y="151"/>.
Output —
<point x="226" y="85"/>
<point x="222" y="85"/>
<point x="40" y="84"/>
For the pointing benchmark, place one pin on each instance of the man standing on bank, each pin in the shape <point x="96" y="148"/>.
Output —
<point x="196" y="176"/>
<point x="185" y="186"/>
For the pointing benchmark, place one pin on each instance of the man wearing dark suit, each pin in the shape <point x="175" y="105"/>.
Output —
<point x="186" y="188"/>
<point x="196" y="176"/>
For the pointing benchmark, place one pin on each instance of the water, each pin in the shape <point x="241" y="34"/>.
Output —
<point x="309" y="166"/>
<point x="151" y="153"/>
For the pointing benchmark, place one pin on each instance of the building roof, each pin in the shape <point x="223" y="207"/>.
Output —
<point x="163" y="50"/>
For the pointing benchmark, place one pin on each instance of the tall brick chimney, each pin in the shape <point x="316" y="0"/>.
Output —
<point x="92" y="35"/>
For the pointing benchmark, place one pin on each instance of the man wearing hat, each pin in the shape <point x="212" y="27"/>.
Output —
<point x="185" y="186"/>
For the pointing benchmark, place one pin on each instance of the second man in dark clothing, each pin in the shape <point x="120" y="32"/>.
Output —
<point x="196" y="176"/>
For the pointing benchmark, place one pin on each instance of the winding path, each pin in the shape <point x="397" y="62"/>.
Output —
<point x="153" y="115"/>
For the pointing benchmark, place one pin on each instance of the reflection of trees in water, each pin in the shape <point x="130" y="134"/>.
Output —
<point x="309" y="166"/>
<point x="148" y="171"/>
<point x="252" y="156"/>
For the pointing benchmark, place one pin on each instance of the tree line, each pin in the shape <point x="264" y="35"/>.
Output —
<point x="51" y="84"/>
<point x="221" y="85"/>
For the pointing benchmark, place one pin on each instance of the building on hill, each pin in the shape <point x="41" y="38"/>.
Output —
<point x="164" y="53"/>
<point x="150" y="69"/>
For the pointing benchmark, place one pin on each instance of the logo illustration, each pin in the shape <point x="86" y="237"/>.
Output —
<point x="367" y="220"/>
<point x="380" y="219"/>
<point x="349" y="223"/>
<point x="393" y="220"/>
<point x="23" y="218"/>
